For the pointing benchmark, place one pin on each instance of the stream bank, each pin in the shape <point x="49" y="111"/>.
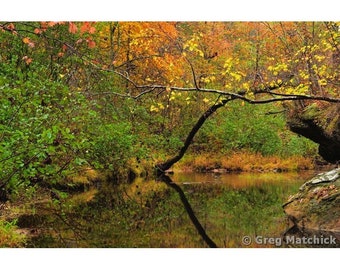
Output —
<point x="315" y="208"/>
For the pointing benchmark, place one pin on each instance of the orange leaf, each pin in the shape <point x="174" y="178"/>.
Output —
<point x="51" y="24"/>
<point x="27" y="59"/>
<point x="91" y="43"/>
<point x="11" y="26"/>
<point x="92" y="30"/>
<point x="43" y="25"/>
<point x="37" y="31"/>
<point x="85" y="27"/>
<point x="26" y="40"/>
<point x="72" y="28"/>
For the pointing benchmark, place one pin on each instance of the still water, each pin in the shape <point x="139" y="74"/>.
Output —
<point x="183" y="210"/>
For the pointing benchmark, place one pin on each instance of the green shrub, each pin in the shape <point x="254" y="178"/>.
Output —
<point x="9" y="237"/>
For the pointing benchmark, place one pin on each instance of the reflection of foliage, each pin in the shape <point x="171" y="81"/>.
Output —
<point x="231" y="214"/>
<point x="150" y="214"/>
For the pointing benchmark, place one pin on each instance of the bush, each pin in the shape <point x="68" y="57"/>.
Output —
<point x="9" y="237"/>
<point x="248" y="127"/>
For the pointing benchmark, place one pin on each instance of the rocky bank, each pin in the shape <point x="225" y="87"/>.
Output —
<point x="316" y="207"/>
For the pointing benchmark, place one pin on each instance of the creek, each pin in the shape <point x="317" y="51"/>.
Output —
<point x="190" y="210"/>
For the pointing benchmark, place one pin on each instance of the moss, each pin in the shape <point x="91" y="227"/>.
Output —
<point x="329" y="119"/>
<point x="311" y="112"/>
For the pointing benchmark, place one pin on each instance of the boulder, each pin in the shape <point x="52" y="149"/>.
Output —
<point x="321" y="125"/>
<point x="316" y="207"/>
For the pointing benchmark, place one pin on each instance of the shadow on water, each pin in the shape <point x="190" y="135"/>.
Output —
<point x="213" y="211"/>
<point x="166" y="179"/>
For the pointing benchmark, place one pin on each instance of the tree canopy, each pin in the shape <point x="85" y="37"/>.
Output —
<point x="78" y="95"/>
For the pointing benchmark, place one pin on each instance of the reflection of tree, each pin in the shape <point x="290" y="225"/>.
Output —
<point x="166" y="179"/>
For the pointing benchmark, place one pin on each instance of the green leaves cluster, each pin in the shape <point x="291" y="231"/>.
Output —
<point x="9" y="237"/>
<point x="49" y="130"/>
<point x="247" y="127"/>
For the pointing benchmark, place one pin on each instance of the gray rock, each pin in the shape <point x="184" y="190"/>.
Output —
<point x="326" y="177"/>
<point x="317" y="204"/>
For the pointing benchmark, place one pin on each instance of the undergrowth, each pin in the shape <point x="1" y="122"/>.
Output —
<point x="243" y="161"/>
<point x="9" y="236"/>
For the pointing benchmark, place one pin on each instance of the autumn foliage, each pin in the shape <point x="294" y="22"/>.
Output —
<point x="100" y="94"/>
<point x="233" y="56"/>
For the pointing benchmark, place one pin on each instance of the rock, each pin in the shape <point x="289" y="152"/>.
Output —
<point x="321" y="125"/>
<point x="316" y="207"/>
<point x="327" y="177"/>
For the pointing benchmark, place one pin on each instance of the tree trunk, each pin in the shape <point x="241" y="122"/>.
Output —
<point x="162" y="167"/>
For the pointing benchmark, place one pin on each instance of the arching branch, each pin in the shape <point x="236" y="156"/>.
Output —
<point x="162" y="167"/>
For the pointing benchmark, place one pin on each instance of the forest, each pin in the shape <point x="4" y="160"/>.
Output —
<point x="88" y="104"/>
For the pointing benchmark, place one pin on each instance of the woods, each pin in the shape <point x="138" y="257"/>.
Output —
<point x="119" y="99"/>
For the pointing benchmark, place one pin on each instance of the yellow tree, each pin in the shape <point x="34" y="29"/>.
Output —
<point x="211" y="63"/>
<point x="254" y="62"/>
<point x="204" y="65"/>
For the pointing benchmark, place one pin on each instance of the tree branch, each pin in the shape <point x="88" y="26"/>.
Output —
<point x="193" y="73"/>
<point x="234" y="95"/>
<point x="162" y="167"/>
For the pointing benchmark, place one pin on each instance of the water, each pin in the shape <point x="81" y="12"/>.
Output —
<point x="186" y="210"/>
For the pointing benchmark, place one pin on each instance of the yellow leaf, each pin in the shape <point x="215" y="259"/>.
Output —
<point x="322" y="82"/>
<point x="246" y="86"/>
<point x="250" y="95"/>
<point x="153" y="109"/>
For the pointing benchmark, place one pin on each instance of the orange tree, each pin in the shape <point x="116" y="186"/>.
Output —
<point x="207" y="64"/>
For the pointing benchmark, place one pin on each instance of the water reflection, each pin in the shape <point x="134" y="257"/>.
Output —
<point x="241" y="180"/>
<point x="219" y="210"/>
<point x="296" y="237"/>
<point x="166" y="179"/>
